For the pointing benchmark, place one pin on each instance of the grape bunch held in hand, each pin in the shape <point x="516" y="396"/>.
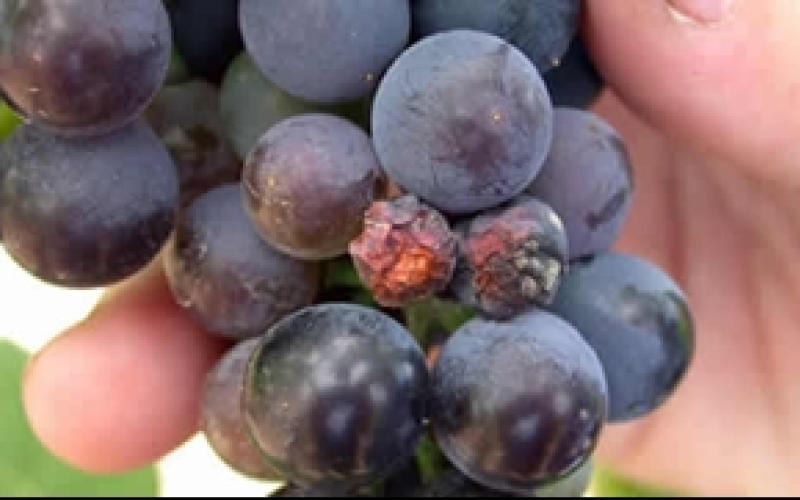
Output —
<point x="401" y="210"/>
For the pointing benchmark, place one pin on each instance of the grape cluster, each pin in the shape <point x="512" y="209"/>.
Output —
<point x="401" y="209"/>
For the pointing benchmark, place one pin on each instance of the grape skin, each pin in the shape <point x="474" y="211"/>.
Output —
<point x="588" y="180"/>
<point x="541" y="29"/>
<point x="636" y="318"/>
<point x="325" y="51"/>
<point x="309" y="181"/>
<point x="83" y="67"/>
<point x="222" y="420"/>
<point x="233" y="282"/>
<point x="335" y="396"/>
<point x="517" y="404"/>
<point x="462" y="120"/>
<point x="87" y="212"/>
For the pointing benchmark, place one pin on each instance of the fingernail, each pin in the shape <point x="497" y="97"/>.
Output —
<point x="700" y="12"/>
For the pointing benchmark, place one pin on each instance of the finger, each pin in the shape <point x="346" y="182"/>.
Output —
<point x="719" y="75"/>
<point x="122" y="388"/>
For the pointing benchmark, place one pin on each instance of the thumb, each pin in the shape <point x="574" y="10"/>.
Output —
<point x="720" y="76"/>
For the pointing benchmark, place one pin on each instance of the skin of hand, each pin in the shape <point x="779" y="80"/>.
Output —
<point x="706" y="93"/>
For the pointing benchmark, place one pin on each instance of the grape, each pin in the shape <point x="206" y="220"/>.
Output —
<point x="572" y="486"/>
<point x="463" y="121"/>
<point x="512" y="258"/>
<point x="233" y="282"/>
<point x="325" y="51"/>
<point x="308" y="182"/>
<point x="223" y="421"/>
<point x="453" y="484"/>
<point x="588" y="181"/>
<point x="83" y="67"/>
<point x="335" y="396"/>
<point x="206" y="33"/>
<point x="405" y="253"/>
<point x="87" y="212"/>
<point x="186" y="117"/>
<point x="575" y="82"/>
<point x="251" y="104"/>
<point x="637" y="320"/>
<point x="520" y="403"/>
<point x="541" y="29"/>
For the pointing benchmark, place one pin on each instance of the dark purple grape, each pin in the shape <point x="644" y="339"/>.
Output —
<point x="206" y="33"/>
<point x="575" y="82"/>
<point x="517" y="404"/>
<point x="405" y="253"/>
<point x="87" y="212"/>
<point x="462" y="120"/>
<point x="233" y="282"/>
<point x="187" y="118"/>
<point x="453" y="484"/>
<point x="335" y="396"/>
<point x="511" y="258"/>
<point x="83" y="67"/>
<point x="572" y="486"/>
<point x="309" y="181"/>
<point x="223" y="422"/>
<point x="325" y="51"/>
<point x="541" y="29"/>
<point x="637" y="320"/>
<point x="588" y="181"/>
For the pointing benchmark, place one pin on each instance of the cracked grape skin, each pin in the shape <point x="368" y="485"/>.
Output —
<point x="518" y="404"/>
<point x="588" y="180"/>
<point x="335" y="396"/>
<point x="87" y="212"/>
<point x="511" y="258"/>
<point x="220" y="270"/>
<point x="222" y="420"/>
<point x="328" y="51"/>
<point x="637" y="320"/>
<point x="541" y="29"/>
<point x="477" y="114"/>
<point x="83" y="67"/>
<point x="309" y="181"/>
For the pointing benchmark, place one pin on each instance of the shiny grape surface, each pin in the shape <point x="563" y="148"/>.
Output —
<point x="83" y="67"/>
<point x="235" y="284"/>
<point x="335" y="396"/>
<point x="637" y="320"/>
<point x="325" y="51"/>
<point x="463" y="121"/>
<point x="519" y="403"/>
<point x="87" y="212"/>
<point x="223" y="422"/>
<point x="309" y="181"/>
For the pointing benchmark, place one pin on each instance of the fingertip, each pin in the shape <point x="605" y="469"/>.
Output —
<point x="720" y="87"/>
<point x="122" y="388"/>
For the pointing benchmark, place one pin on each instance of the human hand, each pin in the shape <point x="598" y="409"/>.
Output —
<point x="712" y="138"/>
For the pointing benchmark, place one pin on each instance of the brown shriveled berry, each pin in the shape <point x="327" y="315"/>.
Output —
<point x="511" y="259"/>
<point x="406" y="251"/>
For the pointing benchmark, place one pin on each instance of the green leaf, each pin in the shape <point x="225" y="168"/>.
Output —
<point x="607" y="483"/>
<point x="28" y="469"/>
<point x="8" y="121"/>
